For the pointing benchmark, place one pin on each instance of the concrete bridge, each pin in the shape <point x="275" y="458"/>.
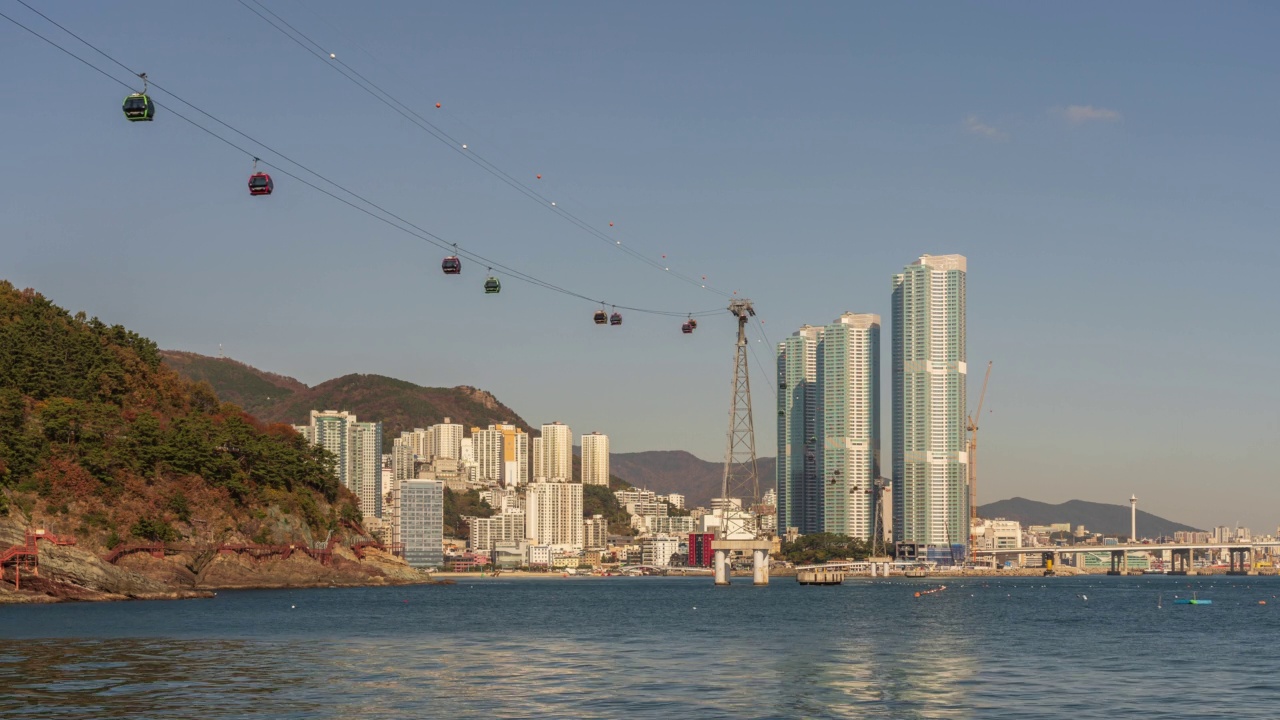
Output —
<point x="1179" y="554"/>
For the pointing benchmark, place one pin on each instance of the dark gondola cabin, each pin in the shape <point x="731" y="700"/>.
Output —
<point x="600" y="317"/>
<point x="451" y="265"/>
<point x="615" y="319"/>
<point x="686" y="328"/>
<point x="492" y="286"/>
<point x="260" y="184"/>
<point x="138" y="106"/>
<point x="693" y="323"/>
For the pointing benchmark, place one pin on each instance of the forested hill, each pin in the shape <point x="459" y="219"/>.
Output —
<point x="98" y="438"/>
<point x="398" y="404"/>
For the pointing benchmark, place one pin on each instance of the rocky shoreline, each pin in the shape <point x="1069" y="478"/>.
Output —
<point x="75" y="574"/>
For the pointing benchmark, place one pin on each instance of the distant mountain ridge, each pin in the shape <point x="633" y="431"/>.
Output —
<point x="1095" y="517"/>
<point x="398" y="404"/>
<point x="668" y="471"/>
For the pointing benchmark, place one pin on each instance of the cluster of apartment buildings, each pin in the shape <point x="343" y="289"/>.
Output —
<point x="529" y="482"/>
<point x="829" y="473"/>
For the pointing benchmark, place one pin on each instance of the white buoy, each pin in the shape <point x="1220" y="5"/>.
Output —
<point x="293" y="607"/>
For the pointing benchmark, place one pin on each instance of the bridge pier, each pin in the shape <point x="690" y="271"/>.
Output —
<point x="1182" y="564"/>
<point x="722" y="568"/>
<point x="760" y="566"/>
<point x="1239" y="565"/>
<point x="759" y="550"/>
<point x="1119" y="565"/>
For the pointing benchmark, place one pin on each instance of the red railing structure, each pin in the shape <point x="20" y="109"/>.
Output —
<point x="28" y="554"/>
<point x="359" y="546"/>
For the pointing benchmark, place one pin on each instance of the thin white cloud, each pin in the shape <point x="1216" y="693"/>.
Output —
<point x="1078" y="114"/>
<point x="974" y="126"/>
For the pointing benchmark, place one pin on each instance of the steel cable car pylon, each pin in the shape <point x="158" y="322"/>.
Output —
<point x="741" y="479"/>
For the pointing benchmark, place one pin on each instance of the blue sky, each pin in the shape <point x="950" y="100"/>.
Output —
<point x="1108" y="170"/>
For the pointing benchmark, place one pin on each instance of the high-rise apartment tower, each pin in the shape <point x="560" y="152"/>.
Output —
<point x="930" y="463"/>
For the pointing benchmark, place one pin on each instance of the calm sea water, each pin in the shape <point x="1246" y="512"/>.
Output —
<point x="658" y="648"/>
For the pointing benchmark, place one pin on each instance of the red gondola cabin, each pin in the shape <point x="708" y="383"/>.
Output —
<point x="451" y="265"/>
<point x="260" y="184"/>
<point x="615" y="319"/>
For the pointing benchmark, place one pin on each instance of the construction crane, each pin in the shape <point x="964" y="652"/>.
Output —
<point x="973" y="449"/>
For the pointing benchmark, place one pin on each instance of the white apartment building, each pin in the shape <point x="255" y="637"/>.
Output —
<point x="667" y="525"/>
<point x="447" y="440"/>
<point x="553" y="513"/>
<point x="501" y="455"/>
<point x="658" y="549"/>
<point x="486" y="533"/>
<point x="487" y="446"/>
<point x="634" y="496"/>
<point x="553" y="455"/>
<point x="595" y="459"/>
<point x="675" y="500"/>
<point x="402" y="457"/>
<point x="366" y="468"/>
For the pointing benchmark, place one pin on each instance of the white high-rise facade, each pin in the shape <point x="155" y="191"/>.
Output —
<point x="366" y="467"/>
<point x="595" y="459"/>
<point x="553" y="514"/>
<point x="849" y="375"/>
<point x="487" y="447"/>
<point x="930" y="462"/>
<point x="446" y="440"/>
<point x="553" y="457"/>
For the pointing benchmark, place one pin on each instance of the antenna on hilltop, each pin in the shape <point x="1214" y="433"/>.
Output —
<point x="220" y="353"/>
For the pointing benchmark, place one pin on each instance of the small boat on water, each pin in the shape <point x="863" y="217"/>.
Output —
<point x="1193" y="600"/>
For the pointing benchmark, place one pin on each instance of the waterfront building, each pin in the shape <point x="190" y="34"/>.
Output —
<point x="553" y="455"/>
<point x="700" y="552"/>
<point x="421" y="511"/>
<point x="539" y="555"/>
<point x="849" y="432"/>
<point x="930" y="462"/>
<point x="553" y="513"/>
<point x="595" y="459"/>
<point x="595" y="533"/>
<point x="657" y="550"/>
<point x="487" y="533"/>
<point x="799" y="414"/>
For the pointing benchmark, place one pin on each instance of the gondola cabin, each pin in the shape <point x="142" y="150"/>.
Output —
<point x="492" y="286"/>
<point x="687" y="328"/>
<point x="139" y="106"/>
<point x="615" y="319"/>
<point x="693" y="323"/>
<point x="451" y="265"/>
<point x="600" y="317"/>
<point x="260" y="184"/>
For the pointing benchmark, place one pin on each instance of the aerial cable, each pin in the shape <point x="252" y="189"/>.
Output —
<point x="331" y="59"/>
<point x="412" y="229"/>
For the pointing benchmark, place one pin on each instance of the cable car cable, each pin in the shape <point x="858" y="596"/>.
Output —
<point x="421" y="233"/>
<point x="435" y="131"/>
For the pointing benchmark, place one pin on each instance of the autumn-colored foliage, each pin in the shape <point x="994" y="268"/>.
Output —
<point x="100" y="439"/>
